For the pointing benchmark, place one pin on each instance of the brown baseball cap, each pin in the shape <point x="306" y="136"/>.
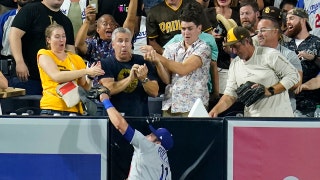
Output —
<point x="236" y="34"/>
<point x="272" y="13"/>
<point x="301" y="13"/>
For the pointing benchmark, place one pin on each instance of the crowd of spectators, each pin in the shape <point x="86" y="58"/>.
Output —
<point x="175" y="70"/>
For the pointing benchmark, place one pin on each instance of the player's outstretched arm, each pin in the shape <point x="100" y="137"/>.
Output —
<point x="115" y="117"/>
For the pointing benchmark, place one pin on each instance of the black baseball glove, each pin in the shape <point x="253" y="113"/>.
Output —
<point x="248" y="95"/>
<point x="96" y="91"/>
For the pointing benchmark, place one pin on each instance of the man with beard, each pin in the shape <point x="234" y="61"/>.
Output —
<point x="285" y="6"/>
<point x="27" y="38"/>
<point x="307" y="46"/>
<point x="5" y="24"/>
<point x="313" y="9"/>
<point x="249" y="16"/>
<point x="262" y="65"/>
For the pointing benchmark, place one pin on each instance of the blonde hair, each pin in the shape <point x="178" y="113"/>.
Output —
<point x="49" y="30"/>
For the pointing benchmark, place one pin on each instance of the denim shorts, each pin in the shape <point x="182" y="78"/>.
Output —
<point x="50" y="112"/>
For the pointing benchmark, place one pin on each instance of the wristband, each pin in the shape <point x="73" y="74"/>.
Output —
<point x="107" y="104"/>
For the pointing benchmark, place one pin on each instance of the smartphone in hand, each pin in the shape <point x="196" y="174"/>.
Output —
<point x="94" y="3"/>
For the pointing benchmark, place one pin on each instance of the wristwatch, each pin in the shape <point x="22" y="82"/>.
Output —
<point x="145" y="80"/>
<point x="271" y="90"/>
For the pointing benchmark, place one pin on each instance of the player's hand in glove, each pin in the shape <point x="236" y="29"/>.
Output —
<point x="250" y="92"/>
<point x="96" y="91"/>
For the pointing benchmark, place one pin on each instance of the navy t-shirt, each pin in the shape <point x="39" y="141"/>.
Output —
<point x="133" y="101"/>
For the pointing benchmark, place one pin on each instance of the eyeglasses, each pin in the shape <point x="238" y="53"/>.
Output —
<point x="264" y="30"/>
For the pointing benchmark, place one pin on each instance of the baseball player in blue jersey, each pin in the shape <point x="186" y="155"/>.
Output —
<point x="150" y="160"/>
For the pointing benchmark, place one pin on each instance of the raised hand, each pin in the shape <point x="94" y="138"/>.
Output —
<point x="133" y="70"/>
<point x="149" y="53"/>
<point x="142" y="72"/>
<point x="90" y="13"/>
<point x="95" y="70"/>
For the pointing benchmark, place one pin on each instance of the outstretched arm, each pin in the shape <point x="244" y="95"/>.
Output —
<point x="115" y="117"/>
<point x="130" y="21"/>
<point x="153" y="42"/>
<point x="165" y="66"/>
<point x="312" y="84"/>
<point x="150" y="55"/>
<point x="190" y="64"/>
<point x="51" y="69"/>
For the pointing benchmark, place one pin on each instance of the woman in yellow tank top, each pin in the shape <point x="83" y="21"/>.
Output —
<point x="57" y="66"/>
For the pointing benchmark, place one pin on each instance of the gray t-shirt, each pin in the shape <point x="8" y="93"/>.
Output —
<point x="149" y="161"/>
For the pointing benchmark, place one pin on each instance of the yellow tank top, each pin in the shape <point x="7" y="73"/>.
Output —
<point x="50" y="99"/>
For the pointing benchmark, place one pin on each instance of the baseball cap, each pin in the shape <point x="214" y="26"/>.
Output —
<point x="301" y="13"/>
<point x="272" y="13"/>
<point x="164" y="136"/>
<point x="236" y="34"/>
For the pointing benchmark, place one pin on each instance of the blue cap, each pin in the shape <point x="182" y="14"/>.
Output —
<point x="164" y="136"/>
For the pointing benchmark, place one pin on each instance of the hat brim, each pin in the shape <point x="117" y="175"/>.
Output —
<point x="227" y="23"/>
<point x="230" y="43"/>
<point x="153" y="130"/>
